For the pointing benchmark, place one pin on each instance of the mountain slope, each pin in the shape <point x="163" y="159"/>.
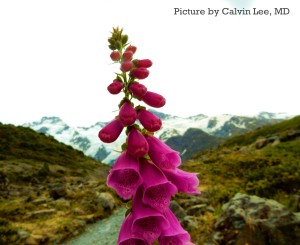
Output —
<point x="193" y="140"/>
<point x="48" y="190"/>
<point x="86" y="138"/>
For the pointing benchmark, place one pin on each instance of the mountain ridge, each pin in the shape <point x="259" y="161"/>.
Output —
<point x="86" y="138"/>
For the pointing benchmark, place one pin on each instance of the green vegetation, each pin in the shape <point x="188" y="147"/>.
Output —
<point x="238" y="165"/>
<point x="48" y="190"/>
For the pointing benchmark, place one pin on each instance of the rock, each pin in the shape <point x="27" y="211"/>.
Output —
<point x="36" y="239"/>
<point x="189" y="223"/>
<point x="177" y="210"/>
<point x="43" y="213"/>
<point x="62" y="203"/>
<point x="106" y="200"/>
<point x="57" y="190"/>
<point x="260" y="143"/>
<point x="253" y="220"/>
<point x="40" y="201"/>
<point x="23" y="234"/>
<point x="197" y="210"/>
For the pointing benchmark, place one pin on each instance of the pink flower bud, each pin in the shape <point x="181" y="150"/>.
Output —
<point x="140" y="73"/>
<point x="146" y="63"/>
<point x="154" y="99"/>
<point x="138" y="90"/>
<point x="137" y="145"/>
<point x="126" y="66"/>
<point x="131" y="48"/>
<point x="149" y="121"/>
<point x="127" y="55"/>
<point x="111" y="131"/>
<point x="127" y="114"/>
<point x="115" y="55"/>
<point x="115" y="87"/>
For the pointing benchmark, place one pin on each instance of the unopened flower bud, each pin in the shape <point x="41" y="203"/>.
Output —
<point x="137" y="144"/>
<point x="127" y="55"/>
<point x="149" y="121"/>
<point x="138" y="89"/>
<point x="154" y="99"/>
<point x="115" y="55"/>
<point x="146" y="63"/>
<point x="140" y="73"/>
<point x="131" y="48"/>
<point x="115" y="87"/>
<point x="111" y="131"/>
<point x="126" y="66"/>
<point x="127" y="114"/>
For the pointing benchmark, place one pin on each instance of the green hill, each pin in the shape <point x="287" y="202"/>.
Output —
<point x="42" y="182"/>
<point x="265" y="162"/>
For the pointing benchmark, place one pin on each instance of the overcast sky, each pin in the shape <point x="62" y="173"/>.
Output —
<point x="54" y="58"/>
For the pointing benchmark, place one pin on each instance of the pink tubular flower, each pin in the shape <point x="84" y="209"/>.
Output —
<point x="174" y="234"/>
<point x="153" y="99"/>
<point x="111" y="131"/>
<point x="149" y="121"/>
<point x="124" y="177"/>
<point x="126" y="66"/>
<point x="143" y="63"/>
<point x="186" y="182"/>
<point x="126" y="236"/>
<point x="127" y="55"/>
<point x="137" y="145"/>
<point x="127" y="114"/>
<point x="138" y="89"/>
<point x="115" y="87"/>
<point x="161" y="154"/>
<point x="115" y="55"/>
<point x="140" y="73"/>
<point x="156" y="187"/>
<point x="147" y="222"/>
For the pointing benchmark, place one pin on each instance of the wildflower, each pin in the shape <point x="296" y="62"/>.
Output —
<point x="127" y="55"/>
<point x="146" y="63"/>
<point x="153" y="99"/>
<point x="174" y="234"/>
<point x="156" y="187"/>
<point x="126" y="236"/>
<point x="127" y="114"/>
<point x="126" y="66"/>
<point x="149" y="121"/>
<point x="137" y="145"/>
<point x="185" y="182"/>
<point x="131" y="48"/>
<point x="161" y="154"/>
<point x="140" y="73"/>
<point x="115" y="55"/>
<point x="115" y="87"/>
<point x="111" y="131"/>
<point x="147" y="222"/>
<point x="138" y="89"/>
<point x="124" y="177"/>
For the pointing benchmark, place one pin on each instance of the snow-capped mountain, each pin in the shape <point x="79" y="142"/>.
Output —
<point x="86" y="138"/>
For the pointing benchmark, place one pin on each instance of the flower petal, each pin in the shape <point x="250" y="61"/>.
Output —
<point x="147" y="222"/>
<point x="124" y="177"/>
<point x="186" y="182"/>
<point x="137" y="145"/>
<point x="126" y="236"/>
<point x="161" y="154"/>
<point x="157" y="189"/>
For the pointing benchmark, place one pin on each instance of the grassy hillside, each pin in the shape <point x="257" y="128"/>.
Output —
<point x="242" y="164"/>
<point x="48" y="190"/>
